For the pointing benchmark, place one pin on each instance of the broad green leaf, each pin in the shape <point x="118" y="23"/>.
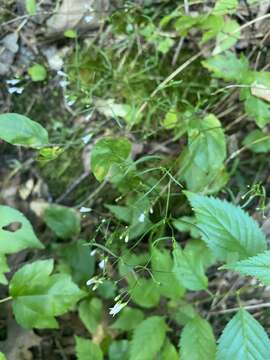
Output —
<point x="258" y="141"/>
<point x="257" y="266"/>
<point x="107" y="289"/>
<point x="11" y="240"/>
<point x="228" y="66"/>
<point x="181" y="311"/>
<point x="107" y="152"/>
<point x="119" y="350"/>
<point x="128" y="319"/>
<point x="258" y="110"/>
<point x="223" y="7"/>
<point x="227" y="37"/>
<point x="90" y="312"/>
<point x="31" y="6"/>
<point x="144" y="292"/>
<point x="3" y="269"/>
<point x="162" y="270"/>
<point x="37" y="72"/>
<point x="148" y="338"/>
<point x="243" y="338"/>
<point x="200" y="250"/>
<point x="228" y="230"/>
<point x="18" y="129"/>
<point x="212" y="25"/>
<point x="2" y="356"/>
<point x="168" y="352"/>
<point x="187" y="224"/>
<point x="188" y="269"/>
<point x="87" y="349"/>
<point x="197" y="341"/>
<point x="39" y="296"/>
<point x="63" y="221"/>
<point x="78" y="260"/>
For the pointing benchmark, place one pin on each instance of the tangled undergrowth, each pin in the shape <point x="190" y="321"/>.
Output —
<point x="135" y="183"/>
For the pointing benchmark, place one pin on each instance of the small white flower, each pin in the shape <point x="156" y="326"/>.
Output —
<point x="61" y="73"/>
<point x="117" y="308"/>
<point x="102" y="264"/>
<point x="15" y="90"/>
<point x="63" y="83"/>
<point x="88" y="19"/>
<point x="85" y="209"/>
<point x="141" y="218"/>
<point x="13" y="81"/>
<point x="86" y="138"/>
<point x="93" y="252"/>
<point x="126" y="238"/>
<point x="91" y="281"/>
<point x="71" y="102"/>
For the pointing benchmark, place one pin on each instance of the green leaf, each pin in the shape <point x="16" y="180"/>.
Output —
<point x="227" y="37"/>
<point x="63" y="221"/>
<point x="107" y="152"/>
<point x="223" y="7"/>
<point x="31" y="7"/>
<point x="258" y="110"/>
<point x="37" y="72"/>
<point x="228" y="66"/>
<point x="148" y="338"/>
<point x="181" y="312"/>
<point x="162" y="270"/>
<point x="168" y="352"/>
<point x="90" y="312"/>
<point x="187" y="224"/>
<point x="257" y="141"/>
<point x="144" y="292"/>
<point x="2" y="356"/>
<point x="257" y="266"/>
<point x="87" y="349"/>
<point x="17" y="129"/>
<point x="228" y="230"/>
<point x="107" y="289"/>
<point x="3" y="269"/>
<point x="39" y="296"/>
<point x="70" y="33"/>
<point x="188" y="268"/>
<point x="128" y="319"/>
<point x="77" y="257"/>
<point x="119" y="350"/>
<point x="197" y="341"/>
<point x="200" y="250"/>
<point x="243" y="338"/>
<point x="20" y="239"/>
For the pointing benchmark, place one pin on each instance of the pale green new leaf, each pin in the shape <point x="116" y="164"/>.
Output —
<point x="162" y="270"/>
<point x="107" y="152"/>
<point x="90" y="312"/>
<point x="197" y="341"/>
<point x="31" y="6"/>
<point x="39" y="296"/>
<point x="188" y="269"/>
<point x="87" y="349"/>
<point x="227" y="37"/>
<point x="228" y="66"/>
<point x="148" y="338"/>
<point x="2" y="356"/>
<point x="228" y="230"/>
<point x="243" y="338"/>
<point x="257" y="266"/>
<point x="223" y="7"/>
<point x="20" y="239"/>
<point x="18" y="129"/>
<point x="65" y="222"/>
<point x="37" y="72"/>
<point x="3" y="269"/>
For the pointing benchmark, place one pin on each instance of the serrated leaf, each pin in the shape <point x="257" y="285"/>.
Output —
<point x="197" y="341"/>
<point x="228" y="230"/>
<point x="257" y="141"/>
<point x="228" y="66"/>
<point x="90" y="312"/>
<point x="107" y="152"/>
<point x="144" y="292"/>
<point x="17" y="129"/>
<point x="148" y="338"/>
<point x="188" y="269"/>
<point x="87" y="349"/>
<point x="39" y="296"/>
<point x="223" y="7"/>
<point x="20" y="239"/>
<point x="227" y="37"/>
<point x="162" y="270"/>
<point x="243" y="338"/>
<point x="3" y="269"/>
<point x="257" y="266"/>
<point x="128" y="319"/>
<point x="119" y="350"/>
<point x="258" y="110"/>
<point x="63" y="221"/>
